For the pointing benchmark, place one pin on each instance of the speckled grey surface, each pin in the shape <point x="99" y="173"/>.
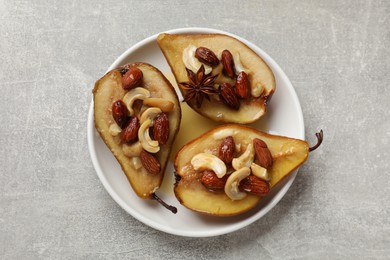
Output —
<point x="53" y="206"/>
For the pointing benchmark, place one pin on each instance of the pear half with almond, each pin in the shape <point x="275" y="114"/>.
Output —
<point x="227" y="170"/>
<point x="137" y="114"/>
<point x="219" y="76"/>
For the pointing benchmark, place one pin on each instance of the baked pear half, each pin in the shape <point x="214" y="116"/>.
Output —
<point x="137" y="114"/>
<point x="227" y="170"/>
<point x="219" y="76"/>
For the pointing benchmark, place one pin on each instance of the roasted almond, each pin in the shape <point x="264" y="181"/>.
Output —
<point x="263" y="154"/>
<point x="226" y="150"/>
<point x="119" y="113"/>
<point x="130" y="132"/>
<point x="150" y="162"/>
<point x="161" y="128"/>
<point x="228" y="63"/>
<point x="227" y="95"/>
<point x="206" y="56"/>
<point x="132" y="78"/>
<point x="211" y="181"/>
<point x="243" y="86"/>
<point x="254" y="185"/>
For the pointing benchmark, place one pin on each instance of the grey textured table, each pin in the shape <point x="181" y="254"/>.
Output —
<point x="53" y="206"/>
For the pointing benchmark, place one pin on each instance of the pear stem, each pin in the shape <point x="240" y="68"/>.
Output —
<point x="320" y="137"/>
<point x="159" y="200"/>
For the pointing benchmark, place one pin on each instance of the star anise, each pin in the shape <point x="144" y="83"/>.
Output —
<point x="199" y="86"/>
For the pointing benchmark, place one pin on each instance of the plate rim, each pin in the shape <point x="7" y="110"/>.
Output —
<point x="220" y="230"/>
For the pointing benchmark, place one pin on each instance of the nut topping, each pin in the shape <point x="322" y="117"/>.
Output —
<point x="150" y="113"/>
<point x="243" y="86"/>
<point x="211" y="181"/>
<point x="226" y="150"/>
<point x="119" y="113"/>
<point x="135" y="94"/>
<point x="206" y="161"/>
<point x="132" y="78"/>
<point x="130" y="132"/>
<point x="192" y="63"/>
<point x="150" y="163"/>
<point x="147" y="143"/>
<point x="228" y="63"/>
<point x="227" y="95"/>
<point x="161" y="128"/>
<point x="260" y="172"/>
<point x="165" y="105"/>
<point x="233" y="182"/>
<point x="254" y="185"/>
<point x="206" y="56"/>
<point x="263" y="154"/>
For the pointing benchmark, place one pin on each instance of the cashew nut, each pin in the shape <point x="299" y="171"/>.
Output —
<point x="165" y="105"/>
<point x="260" y="172"/>
<point x="114" y="129"/>
<point x="246" y="159"/>
<point x="206" y="161"/>
<point x="147" y="143"/>
<point x="193" y="63"/>
<point x="232" y="183"/>
<point x="150" y="113"/>
<point x="133" y="95"/>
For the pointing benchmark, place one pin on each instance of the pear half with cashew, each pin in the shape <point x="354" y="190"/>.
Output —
<point x="137" y="114"/>
<point x="227" y="170"/>
<point x="239" y="85"/>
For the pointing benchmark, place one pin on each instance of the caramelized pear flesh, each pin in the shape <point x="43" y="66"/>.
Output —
<point x="110" y="88"/>
<point x="287" y="154"/>
<point x="261" y="77"/>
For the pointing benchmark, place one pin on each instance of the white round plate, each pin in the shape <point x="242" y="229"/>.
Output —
<point x="284" y="117"/>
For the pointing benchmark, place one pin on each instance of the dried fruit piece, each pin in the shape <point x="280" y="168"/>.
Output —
<point x="226" y="150"/>
<point x="263" y="154"/>
<point x="227" y="95"/>
<point x="206" y="56"/>
<point x="149" y="162"/>
<point x="254" y="185"/>
<point x="161" y="128"/>
<point x="130" y="132"/>
<point x="211" y="181"/>
<point x="242" y="85"/>
<point x="132" y="78"/>
<point x="119" y="113"/>
<point x="228" y="63"/>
